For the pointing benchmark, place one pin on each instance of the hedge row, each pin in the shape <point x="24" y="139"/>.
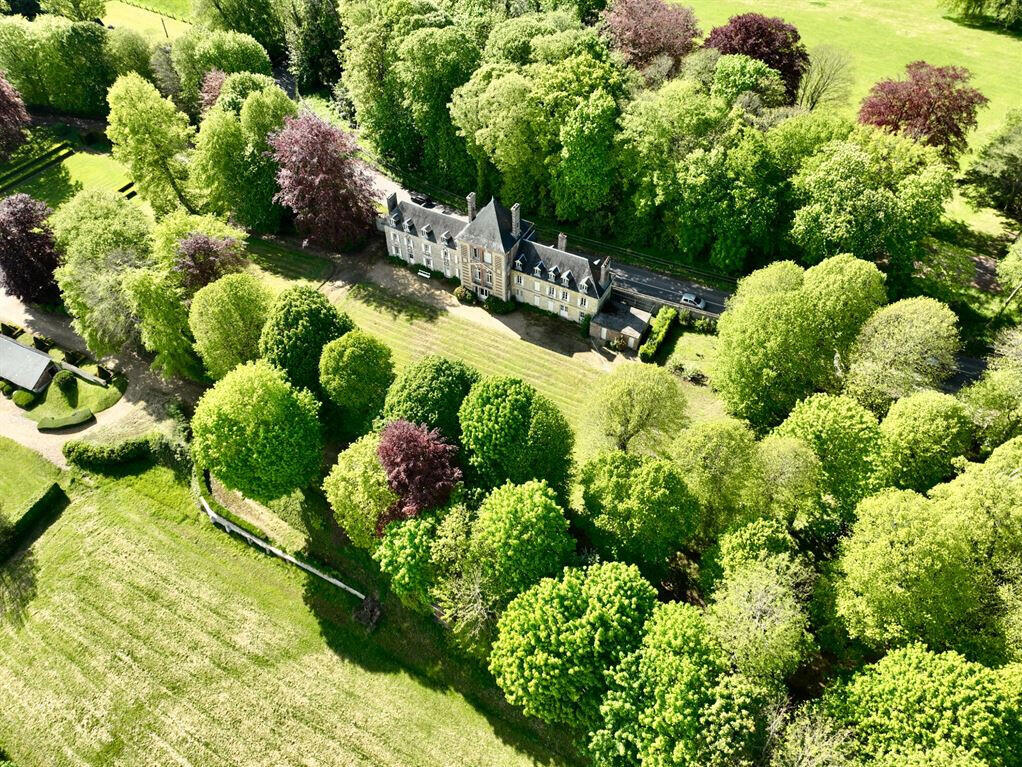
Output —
<point x="81" y="415"/>
<point x="12" y="537"/>
<point x="658" y="332"/>
<point x="153" y="446"/>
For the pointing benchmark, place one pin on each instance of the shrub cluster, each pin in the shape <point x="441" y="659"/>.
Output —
<point x="23" y="398"/>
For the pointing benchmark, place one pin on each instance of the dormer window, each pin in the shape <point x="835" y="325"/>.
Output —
<point x="518" y="264"/>
<point x="446" y="236"/>
<point x="424" y="232"/>
<point x="553" y="272"/>
<point x="564" y="279"/>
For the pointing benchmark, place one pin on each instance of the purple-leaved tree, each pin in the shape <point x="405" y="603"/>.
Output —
<point x="773" y="41"/>
<point x="421" y="468"/>
<point x="201" y="259"/>
<point x="13" y="118"/>
<point x="646" y="29"/>
<point x="322" y="181"/>
<point x="27" y="252"/>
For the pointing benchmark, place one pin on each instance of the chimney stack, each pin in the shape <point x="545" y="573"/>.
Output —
<point x="562" y="241"/>
<point x="391" y="202"/>
<point x="516" y="220"/>
<point x="471" y="200"/>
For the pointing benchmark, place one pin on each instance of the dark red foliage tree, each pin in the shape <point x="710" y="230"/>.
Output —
<point x="420" y="468"/>
<point x="322" y="181"/>
<point x="27" y="252"/>
<point x="773" y="41"/>
<point x="13" y="118"/>
<point x="933" y="105"/>
<point x="645" y="29"/>
<point x="201" y="259"/>
<point x="210" y="90"/>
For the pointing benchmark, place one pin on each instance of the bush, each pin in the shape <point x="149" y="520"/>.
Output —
<point x="65" y="381"/>
<point x="583" y="326"/>
<point x="23" y="398"/>
<point x="6" y="388"/>
<point x="51" y="422"/>
<point x="464" y="295"/>
<point x="96" y="455"/>
<point x="658" y="332"/>
<point x="494" y="305"/>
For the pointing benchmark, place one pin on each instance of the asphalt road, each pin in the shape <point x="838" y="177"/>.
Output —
<point x="661" y="287"/>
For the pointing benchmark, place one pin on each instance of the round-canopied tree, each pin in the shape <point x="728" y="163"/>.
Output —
<point x="995" y="177"/>
<point x="511" y="433"/>
<point x="28" y="255"/>
<point x="934" y="105"/>
<point x="639" y="509"/>
<point x="404" y="555"/>
<point x="846" y="438"/>
<point x="258" y="434"/>
<point x="556" y="640"/>
<point x="421" y="468"/>
<point x="735" y="75"/>
<point x="644" y="30"/>
<point x="904" y="347"/>
<point x="357" y="491"/>
<point x="226" y="319"/>
<point x="922" y="435"/>
<point x="771" y="40"/>
<point x="639" y="407"/>
<point x="909" y="573"/>
<point x="673" y="701"/>
<point x="429" y="393"/>
<point x="918" y="700"/>
<point x="203" y="258"/>
<point x="13" y="119"/>
<point x="322" y="181"/>
<point x="355" y="371"/>
<point x="793" y="494"/>
<point x="519" y="536"/>
<point x="301" y="322"/>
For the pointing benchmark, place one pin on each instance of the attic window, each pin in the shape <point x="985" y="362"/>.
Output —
<point x="536" y="270"/>
<point x="446" y="236"/>
<point x="518" y="264"/>
<point x="426" y="230"/>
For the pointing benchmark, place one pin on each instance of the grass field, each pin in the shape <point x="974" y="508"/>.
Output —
<point x="153" y="638"/>
<point x="163" y="19"/>
<point x="24" y="474"/>
<point x="96" y="398"/>
<point x="82" y="170"/>
<point x="882" y="36"/>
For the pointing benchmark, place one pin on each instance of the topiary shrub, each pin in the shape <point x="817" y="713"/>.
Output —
<point x="658" y="332"/>
<point x="6" y="388"/>
<point x="65" y="381"/>
<point x="51" y="422"/>
<point x="22" y="398"/>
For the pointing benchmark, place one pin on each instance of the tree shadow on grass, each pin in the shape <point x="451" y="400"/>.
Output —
<point x="17" y="586"/>
<point x="406" y="642"/>
<point x="395" y="306"/>
<point x="983" y="24"/>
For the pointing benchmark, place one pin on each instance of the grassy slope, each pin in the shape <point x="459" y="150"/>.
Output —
<point x="160" y="19"/>
<point x="96" y="398"/>
<point x="23" y="475"/>
<point x="155" y="639"/>
<point x="883" y="36"/>
<point x="82" y="170"/>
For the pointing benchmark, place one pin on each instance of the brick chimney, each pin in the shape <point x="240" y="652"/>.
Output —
<point x="471" y="200"/>
<point x="562" y="241"/>
<point x="516" y="220"/>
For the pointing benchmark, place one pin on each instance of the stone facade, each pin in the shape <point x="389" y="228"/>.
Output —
<point x="493" y="252"/>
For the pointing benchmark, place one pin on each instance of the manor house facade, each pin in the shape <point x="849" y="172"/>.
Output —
<point x="493" y="253"/>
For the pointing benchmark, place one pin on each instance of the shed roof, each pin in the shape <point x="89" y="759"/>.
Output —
<point x="626" y="320"/>
<point x="24" y="366"/>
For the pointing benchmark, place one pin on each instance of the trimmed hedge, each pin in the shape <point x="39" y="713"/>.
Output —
<point x="65" y="381"/>
<point x="12" y="537"/>
<point x="96" y="456"/>
<point x="50" y="422"/>
<point x="23" y="398"/>
<point x="658" y="332"/>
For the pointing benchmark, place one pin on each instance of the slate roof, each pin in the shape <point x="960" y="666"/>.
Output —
<point x="626" y="320"/>
<point x="491" y="228"/>
<point x="23" y="366"/>
<point x="431" y="223"/>
<point x="583" y="274"/>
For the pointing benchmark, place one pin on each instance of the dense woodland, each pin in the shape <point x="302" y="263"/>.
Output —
<point x="830" y="575"/>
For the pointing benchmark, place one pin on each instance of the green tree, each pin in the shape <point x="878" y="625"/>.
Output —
<point x="736" y="74"/>
<point x="429" y="393"/>
<point x="257" y="433"/>
<point x="357" y="491"/>
<point x="906" y="346"/>
<point x="226" y="319"/>
<point x="258" y="19"/>
<point x="128" y="51"/>
<point x="718" y="460"/>
<point x="355" y="372"/>
<point x="994" y="403"/>
<point x="793" y="491"/>
<point x="511" y="433"/>
<point x="918" y="700"/>
<point x="638" y="407"/>
<point x="404" y="555"/>
<point x="555" y="640"/>
<point x="150" y="136"/>
<point x="673" y="702"/>
<point x="923" y="434"/>
<point x="101" y="236"/>
<point x="76" y="10"/>
<point x="158" y="301"/>
<point x="313" y="35"/>
<point x="238" y="86"/>
<point x="995" y="177"/>
<point x="909" y="574"/>
<point x="519" y="536"/>
<point x="847" y="439"/>
<point x="301" y="322"/>
<point x="198" y="51"/>
<point x="640" y="509"/>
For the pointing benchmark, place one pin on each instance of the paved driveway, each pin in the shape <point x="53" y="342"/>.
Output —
<point x="661" y="287"/>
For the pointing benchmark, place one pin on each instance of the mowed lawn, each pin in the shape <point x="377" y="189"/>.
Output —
<point x="882" y="36"/>
<point x="24" y="474"/>
<point x="82" y="170"/>
<point x="155" y="639"/>
<point x="153" y="18"/>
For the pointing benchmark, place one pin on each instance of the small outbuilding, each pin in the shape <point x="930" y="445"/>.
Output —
<point x="25" y="367"/>
<point x="618" y="320"/>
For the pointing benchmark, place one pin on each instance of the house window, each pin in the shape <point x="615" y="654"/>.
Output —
<point x="536" y="273"/>
<point x="519" y="280"/>
<point x="583" y="301"/>
<point x="550" y="291"/>
<point x="475" y="273"/>
<point x="487" y="258"/>
<point x="447" y="256"/>
<point x="426" y="249"/>
<point x="489" y="278"/>
<point x="564" y="280"/>
<point x="564" y="295"/>
<point x="538" y="288"/>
